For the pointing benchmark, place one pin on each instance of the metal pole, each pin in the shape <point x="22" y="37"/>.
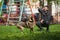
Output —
<point x="1" y="6"/>
<point x="21" y="10"/>
<point x="31" y="10"/>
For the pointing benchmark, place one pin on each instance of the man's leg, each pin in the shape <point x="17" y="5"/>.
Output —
<point x="47" y="28"/>
<point x="47" y="23"/>
<point x="39" y="25"/>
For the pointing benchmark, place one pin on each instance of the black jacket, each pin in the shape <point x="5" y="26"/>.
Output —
<point x="45" y="15"/>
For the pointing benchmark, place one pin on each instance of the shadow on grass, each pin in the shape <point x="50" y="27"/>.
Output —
<point x="35" y="36"/>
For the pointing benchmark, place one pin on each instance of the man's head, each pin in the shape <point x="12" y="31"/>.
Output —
<point x="45" y="8"/>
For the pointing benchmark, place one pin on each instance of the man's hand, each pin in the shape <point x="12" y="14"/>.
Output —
<point x="42" y="21"/>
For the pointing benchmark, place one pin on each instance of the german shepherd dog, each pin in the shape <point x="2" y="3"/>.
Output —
<point x="29" y="23"/>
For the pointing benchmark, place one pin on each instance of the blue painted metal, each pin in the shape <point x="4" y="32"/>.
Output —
<point x="22" y="6"/>
<point x="1" y="7"/>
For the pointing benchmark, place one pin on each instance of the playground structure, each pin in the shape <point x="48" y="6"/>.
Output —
<point x="13" y="10"/>
<point x="10" y="10"/>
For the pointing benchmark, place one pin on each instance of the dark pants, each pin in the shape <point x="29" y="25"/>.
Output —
<point x="36" y="16"/>
<point x="39" y="25"/>
<point x="44" y="24"/>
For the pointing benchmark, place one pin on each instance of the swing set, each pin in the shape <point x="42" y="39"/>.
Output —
<point x="15" y="10"/>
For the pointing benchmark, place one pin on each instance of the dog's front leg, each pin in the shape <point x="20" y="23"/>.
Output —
<point x="20" y="27"/>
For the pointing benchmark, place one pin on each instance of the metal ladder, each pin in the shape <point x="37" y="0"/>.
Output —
<point x="20" y="14"/>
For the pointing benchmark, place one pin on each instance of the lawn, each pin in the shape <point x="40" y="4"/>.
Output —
<point x="13" y="33"/>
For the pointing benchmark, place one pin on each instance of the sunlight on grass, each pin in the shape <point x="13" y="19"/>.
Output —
<point x="13" y="33"/>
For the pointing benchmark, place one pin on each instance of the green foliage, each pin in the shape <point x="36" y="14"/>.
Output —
<point x="0" y="4"/>
<point x="57" y="1"/>
<point x="13" y="33"/>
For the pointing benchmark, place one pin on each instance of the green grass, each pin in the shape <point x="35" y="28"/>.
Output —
<point x="13" y="33"/>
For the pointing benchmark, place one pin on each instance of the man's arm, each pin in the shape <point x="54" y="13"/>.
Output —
<point x="41" y="11"/>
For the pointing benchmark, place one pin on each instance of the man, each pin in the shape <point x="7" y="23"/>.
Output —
<point x="45" y="18"/>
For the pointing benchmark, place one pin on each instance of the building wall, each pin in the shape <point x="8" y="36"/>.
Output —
<point x="55" y="12"/>
<point x="58" y="7"/>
